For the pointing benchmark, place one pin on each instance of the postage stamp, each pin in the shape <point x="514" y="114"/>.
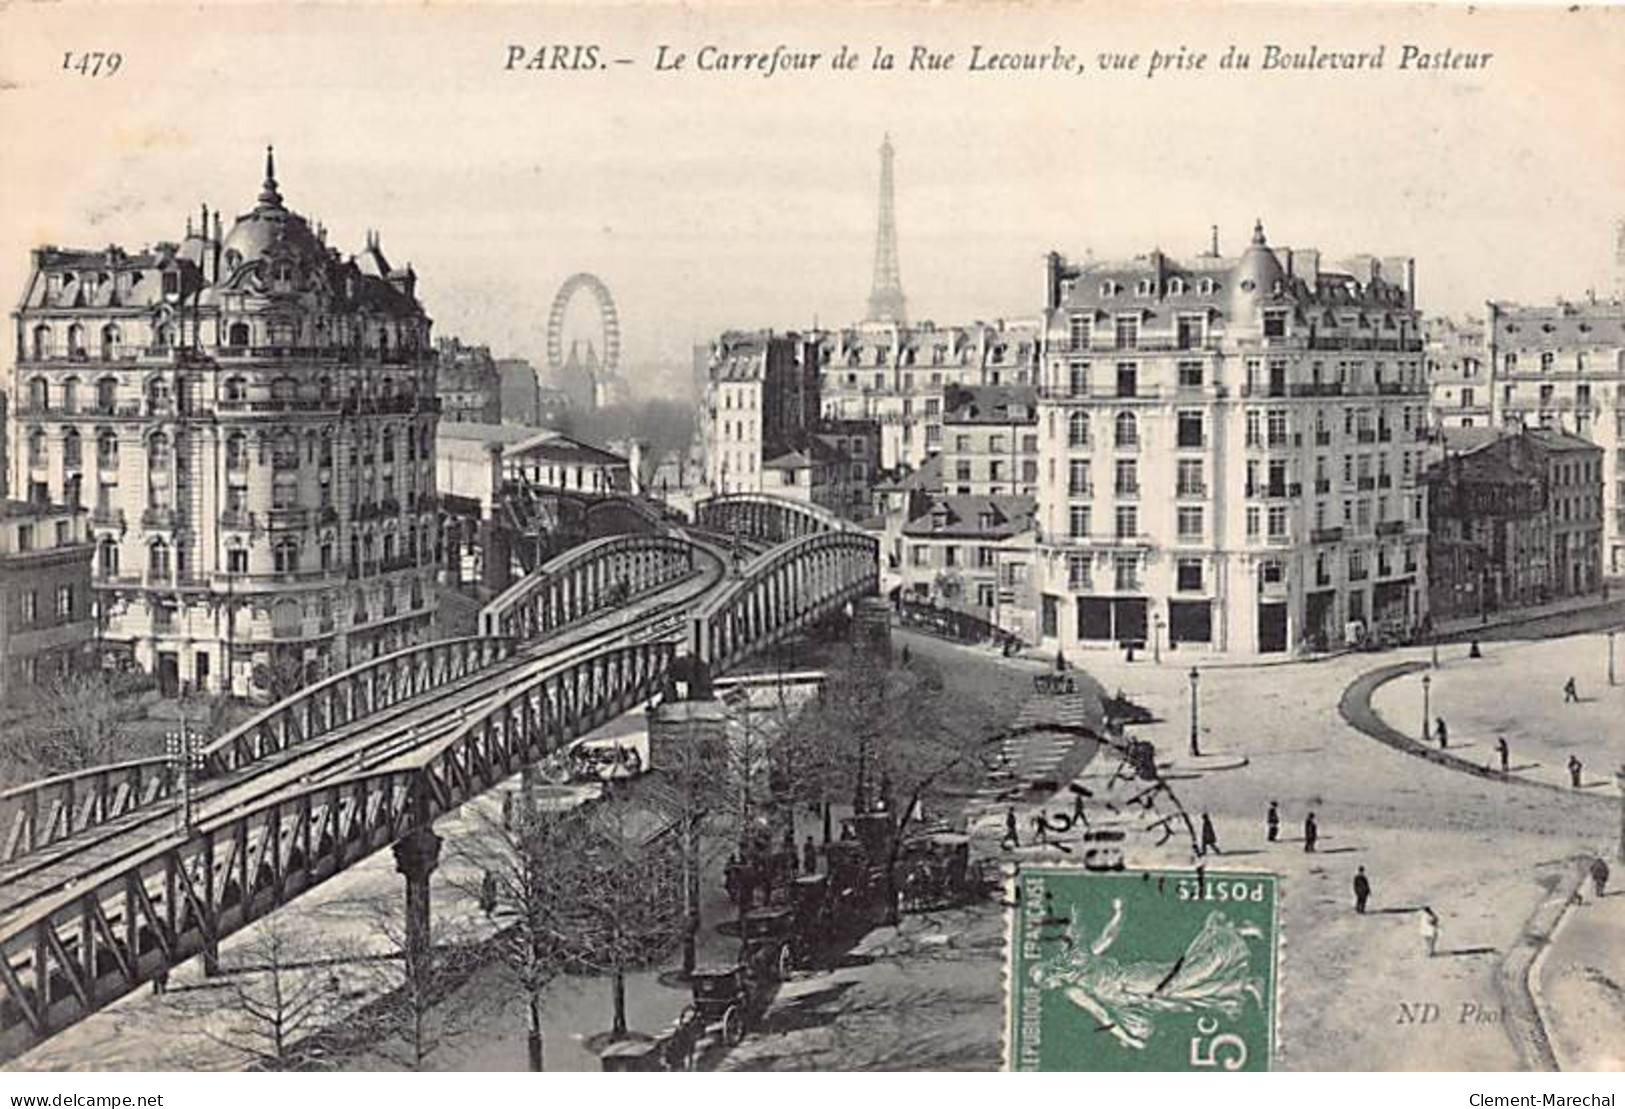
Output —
<point x="1156" y="970"/>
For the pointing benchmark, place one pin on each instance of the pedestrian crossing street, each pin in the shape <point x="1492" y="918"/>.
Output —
<point x="1031" y="756"/>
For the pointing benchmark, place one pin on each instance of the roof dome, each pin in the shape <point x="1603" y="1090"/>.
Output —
<point x="269" y="223"/>
<point x="1258" y="274"/>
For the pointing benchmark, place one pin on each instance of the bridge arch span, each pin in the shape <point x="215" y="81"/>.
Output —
<point x="767" y="516"/>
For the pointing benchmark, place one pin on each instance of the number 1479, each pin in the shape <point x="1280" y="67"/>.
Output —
<point x="92" y="63"/>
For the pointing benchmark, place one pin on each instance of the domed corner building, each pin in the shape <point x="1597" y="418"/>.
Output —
<point x="250" y="417"/>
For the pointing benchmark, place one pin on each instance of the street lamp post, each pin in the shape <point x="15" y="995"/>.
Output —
<point x="1156" y="638"/>
<point x="1195" y="746"/>
<point x="1426" y="682"/>
<point x="1611" y="657"/>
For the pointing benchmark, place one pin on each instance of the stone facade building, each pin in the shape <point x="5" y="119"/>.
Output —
<point x="467" y="383"/>
<point x="1231" y="450"/>
<point x="251" y="418"/>
<point x="1460" y="390"/>
<point x="1516" y="521"/>
<point x="1562" y="366"/>
<point x="990" y="440"/>
<point x="46" y="608"/>
<point x="761" y="400"/>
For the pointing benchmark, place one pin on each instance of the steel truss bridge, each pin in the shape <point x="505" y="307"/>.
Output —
<point x="102" y="888"/>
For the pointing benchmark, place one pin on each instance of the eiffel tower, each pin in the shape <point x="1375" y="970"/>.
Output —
<point x="886" y="300"/>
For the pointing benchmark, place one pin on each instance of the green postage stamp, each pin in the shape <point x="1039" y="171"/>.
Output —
<point x="1141" y="970"/>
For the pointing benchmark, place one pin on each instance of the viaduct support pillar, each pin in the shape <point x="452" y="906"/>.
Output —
<point x="688" y="741"/>
<point x="416" y="856"/>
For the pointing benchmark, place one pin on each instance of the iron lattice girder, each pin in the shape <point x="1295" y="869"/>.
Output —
<point x="72" y="952"/>
<point x="783" y="590"/>
<point x="587" y="579"/>
<point x="766" y="516"/>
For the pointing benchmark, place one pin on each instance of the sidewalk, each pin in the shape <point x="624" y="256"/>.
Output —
<point x="1590" y="611"/>
<point x="1579" y="985"/>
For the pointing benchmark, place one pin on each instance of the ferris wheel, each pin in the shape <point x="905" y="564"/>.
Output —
<point x="610" y="357"/>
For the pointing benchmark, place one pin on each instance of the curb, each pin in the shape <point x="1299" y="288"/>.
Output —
<point x="1514" y="976"/>
<point x="1355" y="708"/>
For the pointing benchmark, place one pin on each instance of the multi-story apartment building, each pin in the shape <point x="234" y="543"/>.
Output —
<point x="251" y="417"/>
<point x="1515" y="521"/>
<point x="895" y="374"/>
<point x="1563" y="366"/>
<point x="761" y="398"/>
<point x="1231" y="450"/>
<point x="974" y="554"/>
<point x="467" y="383"/>
<point x="46" y="617"/>
<point x="990" y="440"/>
<point x="1460" y="389"/>
<point x="519" y="392"/>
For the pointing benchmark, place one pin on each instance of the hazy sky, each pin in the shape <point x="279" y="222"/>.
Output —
<point x="708" y="200"/>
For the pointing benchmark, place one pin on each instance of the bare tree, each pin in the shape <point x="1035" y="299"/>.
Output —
<point x="270" y="1006"/>
<point x="409" y="1022"/>
<point x="76" y="721"/>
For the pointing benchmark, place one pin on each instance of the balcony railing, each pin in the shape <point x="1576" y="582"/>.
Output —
<point x="1326" y="535"/>
<point x="1127" y="489"/>
<point x="1391" y="527"/>
<point x="294" y="517"/>
<point x="1366" y="435"/>
<point x="106" y="517"/>
<point x="160" y="518"/>
<point x="1079" y="491"/>
<point x="1191" y="489"/>
<point x="1358" y="573"/>
<point x="239" y="519"/>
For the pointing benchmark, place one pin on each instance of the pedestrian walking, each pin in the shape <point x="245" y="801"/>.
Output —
<point x="1599" y="876"/>
<point x="1441" y="733"/>
<point x="1362" y="890"/>
<point x="1575" y="766"/>
<point x="1571" y="693"/>
<point x="1504" y="751"/>
<point x="1272" y="822"/>
<point x="1311" y="833"/>
<point x="1430" y="930"/>
<point x="809" y="856"/>
<point x="1040" y="828"/>
<point x="1474" y="652"/>
<point x="1012" y="838"/>
<point x="1210" y="838"/>
<point x="160" y="978"/>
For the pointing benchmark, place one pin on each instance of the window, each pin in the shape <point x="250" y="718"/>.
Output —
<point x="997" y="444"/>
<point x="1127" y="335"/>
<point x="1128" y="477"/>
<point x="1190" y="429"/>
<point x="70" y="449"/>
<point x="1254" y="423"/>
<point x="1252" y="521"/>
<point x="1078" y="332"/>
<point x="1189" y="521"/>
<point x="922" y="555"/>
<point x="1078" y="521"/>
<point x="64" y="602"/>
<point x="1128" y="430"/>
<point x="1546" y="360"/>
<point x="30" y="601"/>
<point x="1189" y="575"/>
<point x="1077" y="382"/>
<point x="1077" y="426"/>
<point x="1077" y="572"/>
<point x="1128" y="572"/>
<point x="158" y="559"/>
<point x="1274" y="324"/>
<point x="1189" y="479"/>
<point x="950" y="555"/>
<point x="995" y="470"/>
<point x="1128" y="521"/>
<point x="962" y="443"/>
<point x="1277" y="427"/>
<point x="1277" y="520"/>
<point x="1190" y="375"/>
<point x="285" y="556"/>
<point x="1190" y="332"/>
<point x="285" y="491"/>
<point x="1078" y="484"/>
<point x="1128" y="379"/>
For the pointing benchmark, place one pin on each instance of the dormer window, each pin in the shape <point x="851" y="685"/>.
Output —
<point x="1274" y="325"/>
<point x="172" y="283"/>
<point x="1107" y="288"/>
<point x="989" y="519"/>
<point x="1208" y="286"/>
<point x="1176" y="286"/>
<point x="1145" y="287"/>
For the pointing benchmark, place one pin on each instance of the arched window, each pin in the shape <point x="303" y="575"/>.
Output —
<point x="76" y="341"/>
<point x="107" y="557"/>
<point x="159" y="455"/>
<point x="285" y="452"/>
<point x="158" y="559"/>
<point x="42" y="342"/>
<point x="157" y="393"/>
<point x="1077" y="429"/>
<point x="236" y="451"/>
<point x="1128" y="430"/>
<point x="285" y="555"/>
<point x="70" y="449"/>
<point x="36" y="447"/>
<point x="389" y="445"/>
<point x="324" y="456"/>
<point x="39" y="395"/>
<point x="107" y="448"/>
<point x="70" y="395"/>
<point x="237" y="335"/>
<point x="106" y="394"/>
<point x="234" y="389"/>
<point x="110" y="342"/>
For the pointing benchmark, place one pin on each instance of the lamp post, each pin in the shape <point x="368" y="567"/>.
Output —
<point x="1611" y="657"/>
<point x="1433" y="639"/>
<point x="1426" y="682"/>
<point x="1156" y="638"/>
<point x="1196" y="749"/>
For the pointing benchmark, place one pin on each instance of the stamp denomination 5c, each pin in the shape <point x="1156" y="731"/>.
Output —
<point x="1141" y="970"/>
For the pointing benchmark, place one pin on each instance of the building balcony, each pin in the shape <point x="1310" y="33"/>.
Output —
<point x="105" y="517"/>
<point x="1326" y="535"/>
<point x="1366" y="484"/>
<point x="237" y="519"/>
<point x="1358" y="574"/>
<point x="1186" y="443"/>
<point x="284" y="518"/>
<point x="1385" y="434"/>
<point x="1264" y="389"/>
<point x="1323" y="438"/>
<point x="1191" y="490"/>
<point x="1283" y="540"/>
<point x="1127" y="490"/>
<point x="1316" y="389"/>
<point x="1385" y="481"/>
<point x="166" y="519"/>
<point x="1366" y="435"/>
<point x="1080" y="492"/>
<point x="1323" y="485"/>
<point x="1391" y="527"/>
